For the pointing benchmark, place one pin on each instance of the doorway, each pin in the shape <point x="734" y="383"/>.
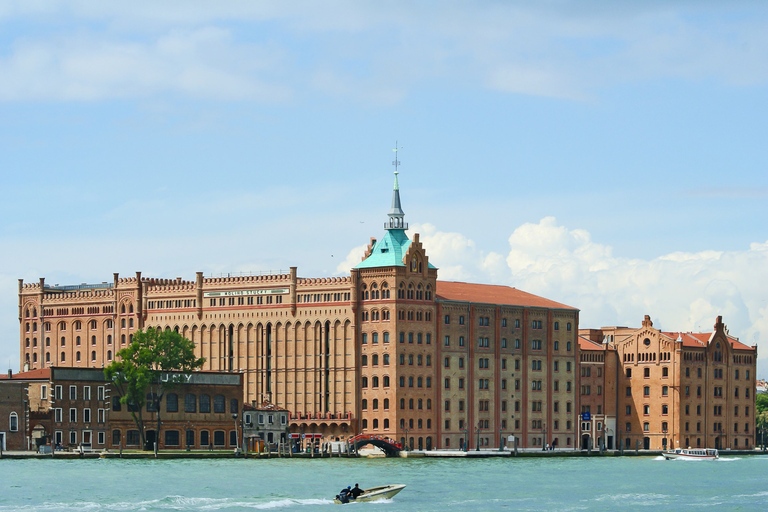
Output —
<point x="646" y="443"/>
<point x="585" y="442"/>
<point x="151" y="438"/>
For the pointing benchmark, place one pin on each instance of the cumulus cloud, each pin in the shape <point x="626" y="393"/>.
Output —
<point x="681" y="291"/>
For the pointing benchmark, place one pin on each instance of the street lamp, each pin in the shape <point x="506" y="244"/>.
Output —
<point x="406" y="439"/>
<point x="501" y="440"/>
<point x="237" y="438"/>
<point x="477" y="430"/>
<point x="466" y="436"/>
<point x="544" y="440"/>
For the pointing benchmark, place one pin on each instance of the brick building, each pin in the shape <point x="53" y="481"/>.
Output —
<point x="75" y="408"/>
<point x="389" y="349"/>
<point x="680" y="389"/>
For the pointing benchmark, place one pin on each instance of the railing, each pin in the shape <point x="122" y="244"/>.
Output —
<point x="248" y="274"/>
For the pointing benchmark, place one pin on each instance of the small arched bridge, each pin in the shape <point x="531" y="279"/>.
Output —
<point x="390" y="446"/>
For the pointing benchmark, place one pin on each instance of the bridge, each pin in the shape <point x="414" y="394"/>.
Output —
<point x="390" y="446"/>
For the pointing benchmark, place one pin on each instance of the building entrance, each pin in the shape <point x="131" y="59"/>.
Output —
<point x="151" y="438"/>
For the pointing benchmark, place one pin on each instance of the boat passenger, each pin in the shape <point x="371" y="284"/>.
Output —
<point x="344" y="495"/>
<point x="357" y="491"/>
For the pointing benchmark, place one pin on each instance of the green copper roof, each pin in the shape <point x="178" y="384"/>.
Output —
<point x="389" y="251"/>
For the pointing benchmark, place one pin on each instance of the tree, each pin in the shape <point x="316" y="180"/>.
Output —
<point x="140" y="373"/>
<point x="761" y="418"/>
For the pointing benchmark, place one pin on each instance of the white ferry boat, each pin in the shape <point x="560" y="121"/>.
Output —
<point x="691" y="454"/>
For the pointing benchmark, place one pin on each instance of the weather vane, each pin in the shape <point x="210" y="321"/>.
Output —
<point x="396" y="162"/>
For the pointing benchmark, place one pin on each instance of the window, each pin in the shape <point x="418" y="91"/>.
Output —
<point x="172" y="438"/>
<point x="218" y="438"/>
<point x="73" y="392"/>
<point x="14" y="422"/>
<point x="86" y="415"/>
<point x="73" y="415"/>
<point x="172" y="402"/>
<point x="190" y="403"/>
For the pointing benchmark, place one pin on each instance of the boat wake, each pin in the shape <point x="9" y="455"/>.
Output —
<point x="172" y="503"/>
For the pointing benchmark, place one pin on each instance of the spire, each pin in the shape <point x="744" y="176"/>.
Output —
<point x="396" y="214"/>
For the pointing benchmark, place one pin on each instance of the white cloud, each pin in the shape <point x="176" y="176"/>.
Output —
<point x="203" y="62"/>
<point x="372" y="51"/>
<point x="681" y="291"/>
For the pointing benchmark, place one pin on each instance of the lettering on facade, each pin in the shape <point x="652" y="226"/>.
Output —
<point x="240" y="293"/>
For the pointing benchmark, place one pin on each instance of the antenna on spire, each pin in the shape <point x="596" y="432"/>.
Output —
<point x="396" y="162"/>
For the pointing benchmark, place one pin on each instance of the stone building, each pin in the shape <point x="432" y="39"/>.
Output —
<point x="389" y="349"/>
<point x="681" y="389"/>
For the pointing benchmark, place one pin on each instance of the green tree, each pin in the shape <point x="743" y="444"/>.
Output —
<point x="761" y="418"/>
<point x="140" y="374"/>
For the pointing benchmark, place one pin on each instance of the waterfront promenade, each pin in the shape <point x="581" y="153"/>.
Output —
<point x="364" y="454"/>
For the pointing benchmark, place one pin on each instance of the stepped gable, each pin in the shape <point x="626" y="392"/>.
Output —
<point x="492" y="294"/>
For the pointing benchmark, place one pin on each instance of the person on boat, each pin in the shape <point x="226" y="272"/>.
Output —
<point x="344" y="495"/>
<point x="357" y="491"/>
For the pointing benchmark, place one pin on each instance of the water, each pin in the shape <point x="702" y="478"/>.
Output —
<point x="522" y="484"/>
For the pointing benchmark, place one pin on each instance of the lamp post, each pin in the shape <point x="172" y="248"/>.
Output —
<point x="466" y="437"/>
<point x="544" y="440"/>
<point x="237" y="438"/>
<point x="477" y="433"/>
<point x="501" y="439"/>
<point x="406" y="439"/>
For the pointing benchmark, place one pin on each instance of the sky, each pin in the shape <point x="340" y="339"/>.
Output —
<point x="606" y="155"/>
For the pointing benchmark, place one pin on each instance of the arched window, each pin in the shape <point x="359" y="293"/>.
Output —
<point x="364" y="404"/>
<point x="375" y="382"/>
<point x="47" y="357"/>
<point x="386" y="404"/>
<point x="375" y="360"/>
<point x="386" y="359"/>
<point x="63" y="357"/>
<point x="386" y="381"/>
<point x="386" y="423"/>
<point x="364" y="360"/>
<point x="93" y="355"/>
<point x="364" y="382"/>
<point x="109" y="355"/>
<point x="14" y="422"/>
<point x="375" y="424"/>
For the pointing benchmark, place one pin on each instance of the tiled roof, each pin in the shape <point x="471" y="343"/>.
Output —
<point x="700" y="339"/>
<point x="587" y="344"/>
<point x="492" y="294"/>
<point x="42" y="373"/>
<point x="265" y="406"/>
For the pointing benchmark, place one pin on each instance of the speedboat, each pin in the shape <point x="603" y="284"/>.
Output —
<point x="374" y="493"/>
<point x="691" y="454"/>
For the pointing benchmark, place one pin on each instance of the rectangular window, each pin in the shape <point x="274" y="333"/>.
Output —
<point x="57" y="393"/>
<point x="43" y="392"/>
<point x="73" y="415"/>
<point x="57" y="415"/>
<point x="87" y="393"/>
<point x="73" y="392"/>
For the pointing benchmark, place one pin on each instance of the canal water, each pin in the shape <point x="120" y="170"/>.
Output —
<point x="521" y="484"/>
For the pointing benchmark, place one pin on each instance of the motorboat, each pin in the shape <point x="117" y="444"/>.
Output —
<point x="383" y="492"/>
<point x="691" y="454"/>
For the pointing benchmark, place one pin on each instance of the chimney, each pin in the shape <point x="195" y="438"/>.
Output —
<point x="10" y="373"/>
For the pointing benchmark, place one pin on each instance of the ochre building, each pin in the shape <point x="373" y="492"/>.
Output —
<point x="388" y="350"/>
<point x="665" y="390"/>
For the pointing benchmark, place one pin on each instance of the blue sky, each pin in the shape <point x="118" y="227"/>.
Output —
<point x="608" y="155"/>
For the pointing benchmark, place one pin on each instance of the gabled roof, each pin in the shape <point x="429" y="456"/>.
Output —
<point x="492" y="294"/>
<point x="40" y="374"/>
<point x="701" y="339"/>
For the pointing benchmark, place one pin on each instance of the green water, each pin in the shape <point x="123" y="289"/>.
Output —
<point x="557" y="484"/>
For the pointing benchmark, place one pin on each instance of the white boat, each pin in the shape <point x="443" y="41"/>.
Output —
<point x="691" y="454"/>
<point x="383" y="492"/>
